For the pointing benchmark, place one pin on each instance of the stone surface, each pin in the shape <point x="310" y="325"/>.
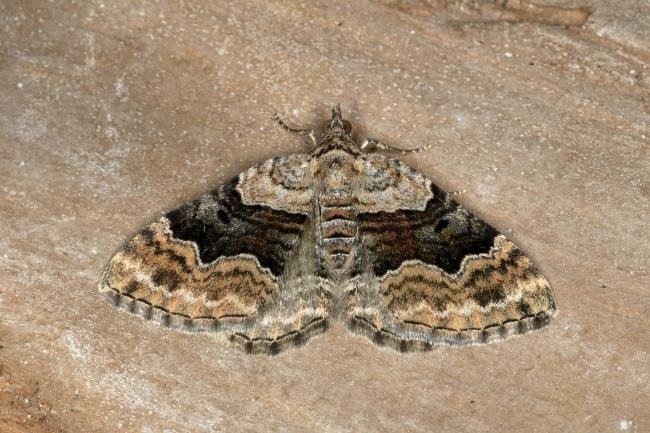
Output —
<point x="114" y="112"/>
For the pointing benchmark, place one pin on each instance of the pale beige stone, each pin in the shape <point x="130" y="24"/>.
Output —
<point x="113" y="112"/>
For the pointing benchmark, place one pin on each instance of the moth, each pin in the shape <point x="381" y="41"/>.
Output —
<point x="276" y="254"/>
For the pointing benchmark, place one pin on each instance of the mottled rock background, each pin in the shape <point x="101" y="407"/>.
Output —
<point x="112" y="112"/>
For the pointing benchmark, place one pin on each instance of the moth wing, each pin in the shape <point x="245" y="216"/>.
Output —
<point x="431" y="273"/>
<point x="234" y="260"/>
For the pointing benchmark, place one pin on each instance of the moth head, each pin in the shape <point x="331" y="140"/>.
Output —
<point x="338" y="125"/>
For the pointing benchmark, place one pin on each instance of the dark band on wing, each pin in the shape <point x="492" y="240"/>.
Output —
<point x="228" y="228"/>
<point x="443" y="234"/>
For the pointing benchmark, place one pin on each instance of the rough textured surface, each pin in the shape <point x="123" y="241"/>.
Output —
<point x="111" y="114"/>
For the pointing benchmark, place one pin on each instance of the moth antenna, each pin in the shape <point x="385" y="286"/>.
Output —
<point x="371" y="143"/>
<point x="304" y="131"/>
